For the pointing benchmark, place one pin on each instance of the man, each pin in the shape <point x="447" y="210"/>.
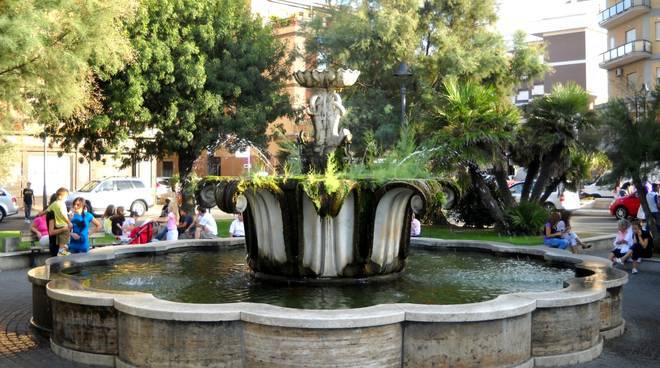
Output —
<point x="652" y="199"/>
<point x="28" y="198"/>
<point x="237" y="228"/>
<point x="206" y="227"/>
<point x="185" y="226"/>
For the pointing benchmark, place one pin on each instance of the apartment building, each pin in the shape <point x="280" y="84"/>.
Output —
<point x="632" y="56"/>
<point x="573" y="42"/>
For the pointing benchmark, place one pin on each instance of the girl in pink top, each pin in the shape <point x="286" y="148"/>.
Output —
<point x="172" y="221"/>
<point x="40" y="229"/>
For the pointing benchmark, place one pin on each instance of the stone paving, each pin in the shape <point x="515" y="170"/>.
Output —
<point x="638" y="347"/>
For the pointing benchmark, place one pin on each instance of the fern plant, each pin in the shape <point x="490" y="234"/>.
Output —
<point x="527" y="218"/>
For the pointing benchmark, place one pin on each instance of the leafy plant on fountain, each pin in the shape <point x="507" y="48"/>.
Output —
<point x="332" y="221"/>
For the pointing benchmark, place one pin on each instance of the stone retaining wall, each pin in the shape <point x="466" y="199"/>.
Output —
<point x="515" y="330"/>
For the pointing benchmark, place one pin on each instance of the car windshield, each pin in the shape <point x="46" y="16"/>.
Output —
<point x="89" y="186"/>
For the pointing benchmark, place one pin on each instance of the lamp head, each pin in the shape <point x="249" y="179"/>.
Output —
<point x="403" y="70"/>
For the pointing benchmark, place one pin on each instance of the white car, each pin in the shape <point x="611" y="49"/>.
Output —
<point x="131" y="193"/>
<point x="163" y="188"/>
<point x="560" y="199"/>
<point x="602" y="187"/>
<point x="8" y="205"/>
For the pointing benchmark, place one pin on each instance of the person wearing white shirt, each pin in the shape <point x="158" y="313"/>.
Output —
<point x="415" y="227"/>
<point x="622" y="243"/>
<point x="206" y="227"/>
<point x="237" y="227"/>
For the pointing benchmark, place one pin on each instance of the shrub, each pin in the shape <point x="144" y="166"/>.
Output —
<point x="527" y="218"/>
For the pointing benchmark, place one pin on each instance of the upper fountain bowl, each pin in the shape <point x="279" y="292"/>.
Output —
<point x="329" y="78"/>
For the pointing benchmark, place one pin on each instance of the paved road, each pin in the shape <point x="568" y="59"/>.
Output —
<point x="594" y="225"/>
<point x="638" y="347"/>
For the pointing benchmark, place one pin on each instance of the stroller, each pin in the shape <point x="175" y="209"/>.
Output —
<point x="142" y="234"/>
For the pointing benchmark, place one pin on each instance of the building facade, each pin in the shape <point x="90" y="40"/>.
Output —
<point x="573" y="41"/>
<point x="632" y="55"/>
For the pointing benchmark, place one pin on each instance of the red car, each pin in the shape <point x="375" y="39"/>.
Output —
<point x="626" y="206"/>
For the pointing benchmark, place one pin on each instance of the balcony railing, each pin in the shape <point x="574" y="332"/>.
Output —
<point x="639" y="48"/>
<point x="621" y="7"/>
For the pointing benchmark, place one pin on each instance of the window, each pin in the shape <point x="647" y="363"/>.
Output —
<point x="168" y="168"/>
<point x="523" y="95"/>
<point x="124" y="185"/>
<point x="538" y="90"/>
<point x="657" y="75"/>
<point x="632" y="80"/>
<point x="631" y="35"/>
<point x="137" y="184"/>
<point x="107" y="186"/>
<point x="657" y="31"/>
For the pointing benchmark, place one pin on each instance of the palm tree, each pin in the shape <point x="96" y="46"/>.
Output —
<point x="545" y="142"/>
<point x="473" y="127"/>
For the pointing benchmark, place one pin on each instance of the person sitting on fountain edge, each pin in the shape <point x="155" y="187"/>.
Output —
<point x="206" y="228"/>
<point x="237" y="228"/>
<point x="415" y="227"/>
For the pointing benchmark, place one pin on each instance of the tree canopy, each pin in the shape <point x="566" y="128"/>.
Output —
<point x="52" y="52"/>
<point x="205" y="71"/>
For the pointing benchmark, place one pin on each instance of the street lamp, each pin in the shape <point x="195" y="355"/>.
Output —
<point x="403" y="72"/>
<point x="45" y="195"/>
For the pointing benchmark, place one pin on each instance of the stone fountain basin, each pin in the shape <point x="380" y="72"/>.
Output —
<point x="129" y="329"/>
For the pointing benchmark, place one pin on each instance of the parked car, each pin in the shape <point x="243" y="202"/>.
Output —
<point x="8" y="205"/>
<point x="560" y="199"/>
<point x="623" y="207"/>
<point x="131" y="193"/>
<point x="602" y="187"/>
<point x="163" y="187"/>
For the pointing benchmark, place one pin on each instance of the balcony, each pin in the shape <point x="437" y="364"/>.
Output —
<point x="625" y="54"/>
<point x="622" y="12"/>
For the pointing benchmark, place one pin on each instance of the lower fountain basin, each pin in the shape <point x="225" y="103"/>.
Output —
<point x="525" y="329"/>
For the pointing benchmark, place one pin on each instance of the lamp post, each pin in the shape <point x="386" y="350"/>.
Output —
<point x="45" y="195"/>
<point x="403" y="72"/>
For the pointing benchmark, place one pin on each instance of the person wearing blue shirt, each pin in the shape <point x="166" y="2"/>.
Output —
<point x="81" y="220"/>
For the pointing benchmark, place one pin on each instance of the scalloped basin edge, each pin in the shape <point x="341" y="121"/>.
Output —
<point x="132" y="329"/>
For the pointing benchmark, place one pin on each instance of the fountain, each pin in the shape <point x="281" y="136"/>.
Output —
<point x="323" y="285"/>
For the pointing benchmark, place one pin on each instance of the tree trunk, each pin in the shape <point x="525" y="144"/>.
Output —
<point x="186" y="162"/>
<point x="545" y="170"/>
<point x="487" y="197"/>
<point x="532" y="170"/>
<point x="501" y="177"/>
<point x="551" y="188"/>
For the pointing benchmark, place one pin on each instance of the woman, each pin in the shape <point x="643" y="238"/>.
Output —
<point x="53" y="231"/>
<point x="117" y="221"/>
<point x="171" y="220"/>
<point x="107" y="222"/>
<point x="81" y="219"/>
<point x="40" y="230"/>
<point x="642" y="245"/>
<point x="552" y="236"/>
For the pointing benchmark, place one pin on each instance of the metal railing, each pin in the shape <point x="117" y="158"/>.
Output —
<point x="621" y="7"/>
<point x="625" y="49"/>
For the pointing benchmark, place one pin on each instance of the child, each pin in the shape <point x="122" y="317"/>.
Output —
<point x="622" y="243"/>
<point x="564" y="226"/>
<point x="61" y="221"/>
<point x="107" y="222"/>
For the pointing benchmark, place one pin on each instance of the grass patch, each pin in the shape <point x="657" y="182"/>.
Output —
<point x="442" y="232"/>
<point x="223" y="227"/>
